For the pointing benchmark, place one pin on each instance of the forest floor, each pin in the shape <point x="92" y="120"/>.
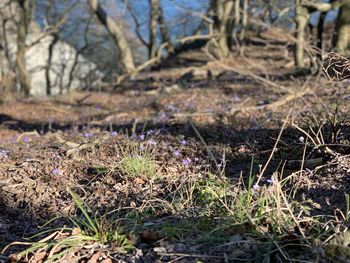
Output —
<point x="249" y="163"/>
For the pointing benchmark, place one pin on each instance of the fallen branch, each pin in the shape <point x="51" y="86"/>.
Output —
<point x="248" y="74"/>
<point x="158" y="57"/>
<point x="281" y="102"/>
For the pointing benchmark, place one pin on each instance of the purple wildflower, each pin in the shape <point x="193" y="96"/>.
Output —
<point x="4" y="154"/>
<point x="162" y="117"/>
<point x="236" y="99"/>
<point x="151" y="142"/>
<point x="114" y="133"/>
<point x="172" y="108"/>
<point x="256" y="187"/>
<point x="190" y="106"/>
<point x="176" y="153"/>
<point x="186" y="161"/>
<point x="271" y="180"/>
<point x="88" y="134"/>
<point x="56" y="171"/>
<point x="142" y="137"/>
<point x="26" y="139"/>
<point x="183" y="142"/>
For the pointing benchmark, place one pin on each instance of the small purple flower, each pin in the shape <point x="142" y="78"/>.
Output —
<point x="186" y="161"/>
<point x="256" y="187"/>
<point x="88" y="135"/>
<point x="224" y="108"/>
<point x="150" y="132"/>
<point x="4" y="154"/>
<point x="176" y="153"/>
<point x="26" y="139"/>
<point x="236" y="99"/>
<point x="56" y="171"/>
<point x="183" y="142"/>
<point x="142" y="137"/>
<point x="172" y="108"/>
<point x="114" y="133"/>
<point x="142" y="147"/>
<point x="190" y="106"/>
<point x="162" y="117"/>
<point x="271" y="180"/>
<point x="151" y="142"/>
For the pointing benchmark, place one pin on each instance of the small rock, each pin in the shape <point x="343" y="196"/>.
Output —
<point x="138" y="253"/>
<point x="159" y="249"/>
<point x="180" y="247"/>
<point x="171" y="248"/>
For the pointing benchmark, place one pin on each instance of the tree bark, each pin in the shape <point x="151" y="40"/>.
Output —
<point x="153" y="26"/>
<point x="223" y="19"/>
<point x="244" y="20"/>
<point x="342" y="31"/>
<point x="124" y="51"/>
<point x="23" y="74"/>
<point x="237" y="18"/>
<point x="164" y="31"/>
<point x="319" y="40"/>
<point x="301" y="19"/>
<point x="156" y="20"/>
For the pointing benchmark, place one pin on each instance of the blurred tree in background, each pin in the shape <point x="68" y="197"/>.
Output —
<point x="75" y="38"/>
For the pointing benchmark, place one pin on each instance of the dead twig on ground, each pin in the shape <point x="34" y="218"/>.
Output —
<point x="281" y="102"/>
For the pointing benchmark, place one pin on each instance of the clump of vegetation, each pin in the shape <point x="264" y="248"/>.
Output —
<point x="90" y="230"/>
<point x="137" y="160"/>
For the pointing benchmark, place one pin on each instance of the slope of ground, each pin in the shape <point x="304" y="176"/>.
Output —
<point x="245" y="162"/>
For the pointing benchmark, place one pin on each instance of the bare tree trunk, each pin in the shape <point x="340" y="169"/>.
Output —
<point x="319" y="40"/>
<point x="301" y="18"/>
<point x="157" y="19"/>
<point x="342" y="31"/>
<point x="244" y="20"/>
<point x="237" y="17"/>
<point x="223" y="19"/>
<point x="23" y="74"/>
<point x="153" y="26"/>
<point x="164" y="30"/>
<point x="49" y="64"/>
<point x="125" y="54"/>
<point x="5" y="45"/>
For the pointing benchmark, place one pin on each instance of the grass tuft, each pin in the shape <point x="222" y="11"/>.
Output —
<point x="137" y="160"/>
<point x="89" y="229"/>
